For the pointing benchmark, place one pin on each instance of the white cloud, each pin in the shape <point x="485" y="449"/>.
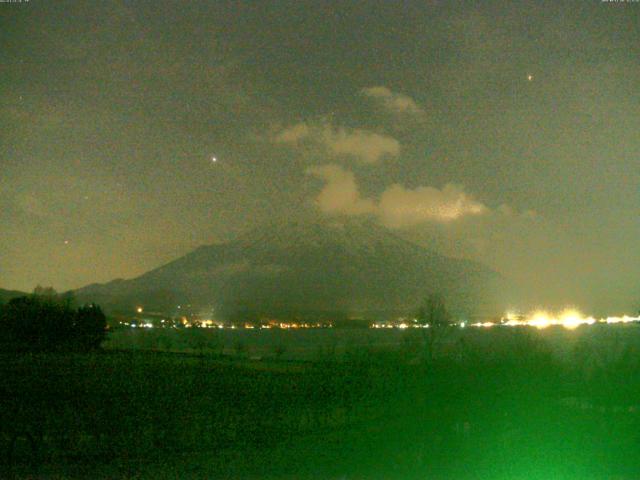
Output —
<point x="394" y="102"/>
<point x="340" y="194"/>
<point x="365" y="146"/>
<point x="397" y="207"/>
<point x="401" y="207"/>
<point x="293" y="134"/>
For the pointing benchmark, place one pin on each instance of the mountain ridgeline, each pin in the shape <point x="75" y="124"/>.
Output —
<point x="306" y="269"/>
<point x="6" y="295"/>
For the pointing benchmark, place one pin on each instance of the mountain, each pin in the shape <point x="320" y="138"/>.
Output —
<point x="6" y="295"/>
<point x="305" y="268"/>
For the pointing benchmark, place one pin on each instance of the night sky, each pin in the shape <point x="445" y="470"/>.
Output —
<point x="505" y="132"/>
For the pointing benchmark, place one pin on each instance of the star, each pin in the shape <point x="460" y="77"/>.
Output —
<point x="214" y="159"/>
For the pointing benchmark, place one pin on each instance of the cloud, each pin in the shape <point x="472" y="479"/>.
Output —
<point x="401" y="207"/>
<point x="293" y="134"/>
<point x="365" y="146"/>
<point x="394" y="102"/>
<point x="340" y="194"/>
<point x="398" y="206"/>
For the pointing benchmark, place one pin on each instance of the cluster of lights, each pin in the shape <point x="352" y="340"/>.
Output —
<point x="401" y="326"/>
<point x="623" y="319"/>
<point x="184" y="322"/>
<point x="540" y="319"/>
<point x="137" y="325"/>
<point x="287" y="326"/>
<point x="568" y="318"/>
<point x="208" y="324"/>
<point x="479" y="324"/>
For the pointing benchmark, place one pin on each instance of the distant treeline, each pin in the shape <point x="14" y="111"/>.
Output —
<point x="47" y="321"/>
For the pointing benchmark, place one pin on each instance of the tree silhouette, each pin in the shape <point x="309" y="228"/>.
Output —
<point x="436" y="320"/>
<point x="46" y="321"/>
<point x="90" y="327"/>
<point x="35" y="323"/>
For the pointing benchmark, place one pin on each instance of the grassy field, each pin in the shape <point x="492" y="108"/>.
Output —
<point x="519" y="413"/>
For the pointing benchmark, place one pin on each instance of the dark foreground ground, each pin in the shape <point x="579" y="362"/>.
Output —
<point x="517" y="415"/>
